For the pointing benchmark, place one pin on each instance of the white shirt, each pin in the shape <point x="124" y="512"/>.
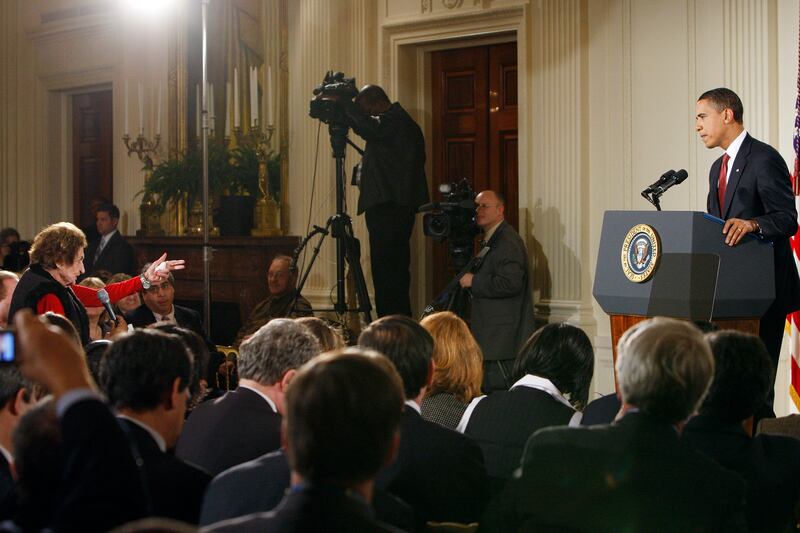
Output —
<point x="412" y="404"/>
<point x="732" y="150"/>
<point x="266" y="398"/>
<point x="162" y="444"/>
<point x="6" y="454"/>
<point x="168" y="317"/>
<point x="487" y="234"/>
<point x="105" y="238"/>
<point x="533" y="382"/>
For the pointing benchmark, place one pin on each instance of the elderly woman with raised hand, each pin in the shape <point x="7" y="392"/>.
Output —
<point x="553" y="371"/>
<point x="56" y="263"/>
<point x="457" y="369"/>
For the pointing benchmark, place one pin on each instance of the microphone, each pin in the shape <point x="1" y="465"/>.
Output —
<point x="102" y="295"/>
<point x="664" y="177"/>
<point x="675" y="179"/>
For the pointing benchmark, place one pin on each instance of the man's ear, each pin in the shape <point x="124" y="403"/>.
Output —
<point x="394" y="446"/>
<point x="287" y="378"/>
<point x="174" y="396"/>
<point x="17" y="406"/>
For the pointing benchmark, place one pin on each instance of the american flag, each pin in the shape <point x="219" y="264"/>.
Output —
<point x="793" y="319"/>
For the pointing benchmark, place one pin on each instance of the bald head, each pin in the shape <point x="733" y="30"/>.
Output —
<point x="490" y="209"/>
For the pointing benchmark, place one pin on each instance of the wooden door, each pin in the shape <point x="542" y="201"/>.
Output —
<point x="92" y="158"/>
<point x="474" y="129"/>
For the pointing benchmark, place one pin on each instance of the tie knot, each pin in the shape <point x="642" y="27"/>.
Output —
<point x="725" y="158"/>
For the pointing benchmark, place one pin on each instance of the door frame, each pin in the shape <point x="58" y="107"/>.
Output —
<point x="405" y="71"/>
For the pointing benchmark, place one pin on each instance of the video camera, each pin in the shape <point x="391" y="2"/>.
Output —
<point x="454" y="218"/>
<point x="329" y="97"/>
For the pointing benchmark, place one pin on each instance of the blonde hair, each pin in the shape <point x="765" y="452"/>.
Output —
<point x="57" y="244"/>
<point x="457" y="358"/>
<point x="92" y="283"/>
<point x="328" y="338"/>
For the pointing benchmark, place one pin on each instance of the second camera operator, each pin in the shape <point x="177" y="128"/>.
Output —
<point x="393" y="185"/>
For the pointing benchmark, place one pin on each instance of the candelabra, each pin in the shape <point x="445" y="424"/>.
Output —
<point x="149" y="209"/>
<point x="266" y="213"/>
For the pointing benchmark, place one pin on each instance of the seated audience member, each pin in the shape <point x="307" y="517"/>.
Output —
<point x="198" y="386"/>
<point x="145" y="376"/>
<point x="281" y="283"/>
<point x="329" y="339"/>
<point x="438" y="472"/>
<point x="97" y="314"/>
<point x="457" y="369"/>
<point x="602" y="410"/>
<point x="635" y="474"/>
<point x="56" y="262"/>
<point x="245" y="423"/>
<point x="110" y="251"/>
<point x="769" y="464"/>
<point x="17" y="396"/>
<point x="342" y="416"/>
<point x="13" y="251"/>
<point x="94" y="354"/>
<point x="552" y="374"/>
<point x="8" y="282"/>
<point x="100" y="485"/>
<point x="64" y="325"/>
<point x="37" y="465"/>
<point x="128" y="304"/>
<point x="158" y="306"/>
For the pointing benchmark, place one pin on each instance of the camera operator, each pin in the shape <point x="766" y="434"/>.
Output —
<point x="502" y="309"/>
<point x="393" y="185"/>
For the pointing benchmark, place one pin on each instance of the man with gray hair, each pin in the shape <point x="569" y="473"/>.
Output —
<point x="246" y="422"/>
<point x="634" y="474"/>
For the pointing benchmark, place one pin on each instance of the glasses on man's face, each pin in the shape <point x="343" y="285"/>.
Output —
<point x="485" y="206"/>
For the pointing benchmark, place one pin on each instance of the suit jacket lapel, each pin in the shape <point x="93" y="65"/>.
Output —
<point x="713" y="187"/>
<point x="736" y="173"/>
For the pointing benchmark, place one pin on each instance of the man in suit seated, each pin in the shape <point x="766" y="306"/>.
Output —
<point x="246" y="422"/>
<point x="439" y="472"/>
<point x="17" y="396"/>
<point x="769" y="464"/>
<point x="146" y="375"/>
<point x="158" y="306"/>
<point x="109" y="252"/>
<point x="635" y="474"/>
<point x="282" y="284"/>
<point x="342" y="416"/>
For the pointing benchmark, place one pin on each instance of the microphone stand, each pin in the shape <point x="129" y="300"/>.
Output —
<point x="654" y="198"/>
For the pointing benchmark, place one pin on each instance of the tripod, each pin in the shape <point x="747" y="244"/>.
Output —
<point x="340" y="227"/>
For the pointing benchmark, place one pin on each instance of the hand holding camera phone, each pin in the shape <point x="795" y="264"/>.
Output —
<point x="8" y="346"/>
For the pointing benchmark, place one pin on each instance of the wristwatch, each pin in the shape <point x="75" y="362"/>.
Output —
<point x="145" y="283"/>
<point x="758" y="228"/>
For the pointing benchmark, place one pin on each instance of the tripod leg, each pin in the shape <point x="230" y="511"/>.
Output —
<point x="352" y="253"/>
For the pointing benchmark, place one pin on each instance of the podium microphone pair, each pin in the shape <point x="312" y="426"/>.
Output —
<point x="668" y="179"/>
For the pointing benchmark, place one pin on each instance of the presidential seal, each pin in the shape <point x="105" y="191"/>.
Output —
<point x="640" y="253"/>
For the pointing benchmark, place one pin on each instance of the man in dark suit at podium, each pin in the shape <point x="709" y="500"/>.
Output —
<point x="749" y="187"/>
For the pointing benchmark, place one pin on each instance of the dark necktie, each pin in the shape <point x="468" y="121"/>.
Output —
<point x="99" y="251"/>
<point x="722" y="184"/>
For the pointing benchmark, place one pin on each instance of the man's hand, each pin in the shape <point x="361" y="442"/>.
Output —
<point x="120" y="328"/>
<point x="466" y="280"/>
<point x="736" y="228"/>
<point x="48" y="357"/>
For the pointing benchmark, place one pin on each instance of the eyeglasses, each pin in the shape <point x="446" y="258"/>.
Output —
<point x="485" y="206"/>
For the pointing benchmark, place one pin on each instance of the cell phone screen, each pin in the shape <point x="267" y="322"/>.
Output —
<point x="7" y="347"/>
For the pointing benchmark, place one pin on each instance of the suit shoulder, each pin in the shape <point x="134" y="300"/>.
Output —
<point x="187" y="311"/>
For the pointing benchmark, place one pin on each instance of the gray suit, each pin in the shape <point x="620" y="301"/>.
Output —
<point x="502" y="309"/>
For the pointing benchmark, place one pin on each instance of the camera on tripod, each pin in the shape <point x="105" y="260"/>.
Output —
<point x="454" y="218"/>
<point x="330" y="96"/>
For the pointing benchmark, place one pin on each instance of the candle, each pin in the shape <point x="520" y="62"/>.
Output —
<point x="270" y="89"/>
<point x="228" y="109"/>
<point x="141" y="109"/>
<point x="158" y="114"/>
<point x="197" y="110"/>
<point x="235" y="98"/>
<point x="211" y="114"/>
<point x="253" y="97"/>
<point x="126" y="108"/>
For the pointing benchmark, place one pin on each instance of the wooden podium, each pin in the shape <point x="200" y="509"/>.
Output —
<point x="693" y="274"/>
